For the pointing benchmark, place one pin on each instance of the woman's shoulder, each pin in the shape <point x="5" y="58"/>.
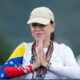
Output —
<point x="62" y="48"/>
<point x="61" y="45"/>
<point x="25" y="44"/>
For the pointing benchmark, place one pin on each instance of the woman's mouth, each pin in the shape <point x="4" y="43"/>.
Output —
<point x="38" y="34"/>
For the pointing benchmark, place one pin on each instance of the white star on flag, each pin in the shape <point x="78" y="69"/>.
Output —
<point x="2" y="75"/>
<point x="11" y="62"/>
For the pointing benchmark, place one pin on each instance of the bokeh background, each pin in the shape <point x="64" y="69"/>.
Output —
<point x="14" y="30"/>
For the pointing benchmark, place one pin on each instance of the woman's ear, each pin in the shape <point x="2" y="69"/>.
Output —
<point x="53" y="26"/>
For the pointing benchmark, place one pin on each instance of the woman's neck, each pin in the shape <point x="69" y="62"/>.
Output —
<point x="46" y="44"/>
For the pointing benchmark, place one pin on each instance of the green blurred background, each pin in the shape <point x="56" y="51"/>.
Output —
<point x="14" y="30"/>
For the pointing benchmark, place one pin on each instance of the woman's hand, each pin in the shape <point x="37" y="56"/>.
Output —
<point x="37" y="63"/>
<point x="42" y="55"/>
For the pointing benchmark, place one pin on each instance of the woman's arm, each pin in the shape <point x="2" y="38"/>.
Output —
<point x="13" y="72"/>
<point x="71" y="72"/>
<point x="14" y="60"/>
<point x="70" y="69"/>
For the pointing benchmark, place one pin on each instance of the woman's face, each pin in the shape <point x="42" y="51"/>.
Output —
<point x="41" y="32"/>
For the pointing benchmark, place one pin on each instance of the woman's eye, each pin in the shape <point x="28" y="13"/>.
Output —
<point x="42" y="25"/>
<point x="34" y="25"/>
<point x="38" y="25"/>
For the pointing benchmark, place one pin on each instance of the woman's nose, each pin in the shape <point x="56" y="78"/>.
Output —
<point x="38" y="27"/>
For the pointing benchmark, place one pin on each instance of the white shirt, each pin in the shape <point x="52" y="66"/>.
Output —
<point x="63" y="63"/>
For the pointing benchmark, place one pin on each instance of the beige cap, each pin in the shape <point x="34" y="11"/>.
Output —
<point x="42" y="15"/>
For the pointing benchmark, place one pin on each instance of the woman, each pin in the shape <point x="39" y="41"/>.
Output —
<point x="56" y="61"/>
<point x="43" y="59"/>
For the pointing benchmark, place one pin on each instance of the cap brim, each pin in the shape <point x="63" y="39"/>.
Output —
<point x="39" y="20"/>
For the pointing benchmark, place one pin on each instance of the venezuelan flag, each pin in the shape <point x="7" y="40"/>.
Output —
<point x="14" y="60"/>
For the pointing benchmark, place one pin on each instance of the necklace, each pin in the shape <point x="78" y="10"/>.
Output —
<point x="40" y="72"/>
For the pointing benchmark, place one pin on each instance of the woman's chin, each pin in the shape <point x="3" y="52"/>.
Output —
<point x="38" y="39"/>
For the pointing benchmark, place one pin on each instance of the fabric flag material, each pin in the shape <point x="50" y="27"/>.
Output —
<point x="14" y="60"/>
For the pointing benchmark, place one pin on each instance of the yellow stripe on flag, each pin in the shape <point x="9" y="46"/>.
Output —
<point x="19" y="51"/>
